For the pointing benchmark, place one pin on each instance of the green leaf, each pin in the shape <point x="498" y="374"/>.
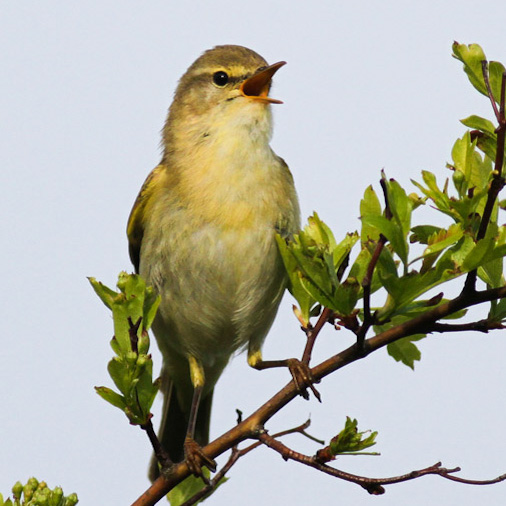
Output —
<point x="486" y="249"/>
<point x="151" y="303"/>
<point x="400" y="205"/>
<point x="498" y="311"/>
<point x="485" y="135"/>
<point x="358" y="271"/>
<point x="301" y="295"/>
<point x="350" y="441"/>
<point x="496" y="71"/>
<point x="369" y="206"/>
<point x="432" y="191"/>
<point x="111" y="397"/>
<point x="405" y="351"/>
<point x="146" y="388"/>
<point x="313" y="261"/>
<point x="120" y="314"/>
<point x="346" y="296"/>
<point x="438" y="242"/>
<point x="492" y="273"/>
<point x="392" y="232"/>
<point x="467" y="160"/>
<point x="422" y="233"/>
<point x="106" y="295"/>
<point x="120" y="373"/>
<point x="472" y="56"/>
<point x="479" y="123"/>
<point x="189" y="487"/>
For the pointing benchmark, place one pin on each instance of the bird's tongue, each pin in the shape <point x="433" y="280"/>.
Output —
<point x="257" y="86"/>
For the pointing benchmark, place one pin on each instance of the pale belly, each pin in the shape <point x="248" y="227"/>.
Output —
<point x="220" y="289"/>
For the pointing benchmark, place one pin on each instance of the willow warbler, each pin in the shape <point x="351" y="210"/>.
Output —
<point x="202" y="233"/>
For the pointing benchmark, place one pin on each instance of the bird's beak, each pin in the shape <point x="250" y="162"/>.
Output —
<point x="257" y="86"/>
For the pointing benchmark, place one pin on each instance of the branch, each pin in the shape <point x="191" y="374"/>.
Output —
<point x="252" y="426"/>
<point x="312" y="334"/>
<point x="161" y="455"/>
<point x="479" y="326"/>
<point x="484" y="71"/>
<point x="372" y="485"/>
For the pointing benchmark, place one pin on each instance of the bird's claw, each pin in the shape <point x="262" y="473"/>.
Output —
<point x="195" y="458"/>
<point x="302" y="377"/>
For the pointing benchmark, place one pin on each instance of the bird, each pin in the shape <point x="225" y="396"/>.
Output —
<point x="203" y="231"/>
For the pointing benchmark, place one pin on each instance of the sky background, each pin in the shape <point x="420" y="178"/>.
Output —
<point x="84" y="89"/>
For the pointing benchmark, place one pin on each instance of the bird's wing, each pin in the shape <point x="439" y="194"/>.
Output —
<point x="135" y="227"/>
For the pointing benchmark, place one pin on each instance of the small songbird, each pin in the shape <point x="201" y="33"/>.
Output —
<point x="202" y="233"/>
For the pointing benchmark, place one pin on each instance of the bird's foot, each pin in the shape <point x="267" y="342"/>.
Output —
<point x="302" y="377"/>
<point x="195" y="458"/>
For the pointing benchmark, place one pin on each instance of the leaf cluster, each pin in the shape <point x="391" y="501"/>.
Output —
<point x="348" y="442"/>
<point x="402" y="263"/>
<point x="133" y="309"/>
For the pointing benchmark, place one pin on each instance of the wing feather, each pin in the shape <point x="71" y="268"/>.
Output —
<point x="135" y="227"/>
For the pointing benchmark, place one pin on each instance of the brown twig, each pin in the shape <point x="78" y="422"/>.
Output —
<point x="372" y="485"/>
<point x="484" y="71"/>
<point x="161" y="455"/>
<point x="312" y="334"/>
<point x="478" y="326"/>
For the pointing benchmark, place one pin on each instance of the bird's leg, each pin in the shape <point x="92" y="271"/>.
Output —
<point x="194" y="455"/>
<point x="301" y="372"/>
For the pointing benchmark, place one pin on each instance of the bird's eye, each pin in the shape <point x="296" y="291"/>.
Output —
<point x="220" y="78"/>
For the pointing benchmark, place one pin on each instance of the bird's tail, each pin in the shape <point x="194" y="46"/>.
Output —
<point x="174" y="425"/>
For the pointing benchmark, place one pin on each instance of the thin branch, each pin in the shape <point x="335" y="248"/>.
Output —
<point x="372" y="485"/>
<point x="236" y="455"/>
<point x="500" y="478"/>
<point x="161" y="455"/>
<point x="312" y="334"/>
<point x="478" y="326"/>
<point x="213" y="484"/>
<point x="484" y="71"/>
<point x="366" y="285"/>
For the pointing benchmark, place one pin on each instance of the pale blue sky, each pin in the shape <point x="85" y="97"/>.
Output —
<point x="84" y="91"/>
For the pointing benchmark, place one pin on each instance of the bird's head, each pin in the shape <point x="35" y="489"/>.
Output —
<point x="227" y="86"/>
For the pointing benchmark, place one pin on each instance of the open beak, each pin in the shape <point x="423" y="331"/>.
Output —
<point x="257" y="86"/>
